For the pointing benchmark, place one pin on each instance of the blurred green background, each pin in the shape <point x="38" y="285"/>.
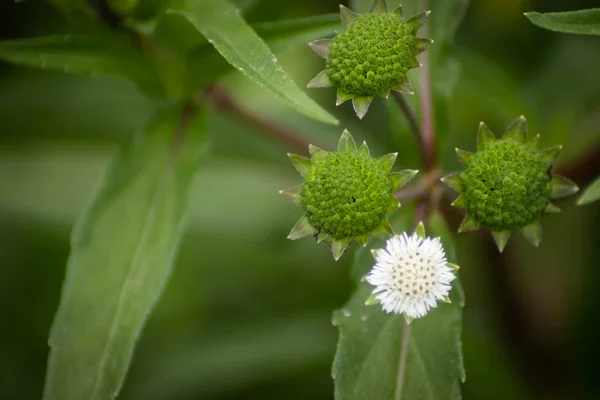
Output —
<point x="246" y="314"/>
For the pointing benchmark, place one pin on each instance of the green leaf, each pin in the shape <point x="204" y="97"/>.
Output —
<point x="122" y="254"/>
<point x="238" y="43"/>
<point x="367" y="360"/>
<point x="582" y="22"/>
<point x="591" y="193"/>
<point x="109" y="55"/>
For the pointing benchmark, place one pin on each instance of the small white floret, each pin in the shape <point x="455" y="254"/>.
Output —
<point x="411" y="275"/>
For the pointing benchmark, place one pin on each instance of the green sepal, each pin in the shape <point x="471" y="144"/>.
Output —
<point x="338" y="246"/>
<point x="384" y="229"/>
<point x="417" y="21"/>
<point x="561" y="187"/>
<point x="415" y="64"/>
<point x="517" y="130"/>
<point x="463" y="156"/>
<point x="454" y="181"/>
<point x="323" y="237"/>
<point x="398" y="11"/>
<point x="421" y="44"/>
<point x="535" y="142"/>
<point x="347" y="15"/>
<point x="302" y="164"/>
<point x="292" y="194"/>
<point x="387" y="161"/>
<point x="361" y="105"/>
<point x="468" y="224"/>
<point x="371" y="300"/>
<point x="364" y="149"/>
<point x="342" y="97"/>
<point x="346" y="142"/>
<point x="401" y="178"/>
<point x="551" y="154"/>
<point x="420" y="230"/>
<point x="484" y="135"/>
<point x="453" y="266"/>
<point x="404" y="87"/>
<point x="552" y="208"/>
<point x="302" y="229"/>
<point x="501" y="238"/>
<point x="459" y="202"/>
<point x="447" y="300"/>
<point x="316" y="153"/>
<point x="408" y="319"/>
<point x="321" y="47"/>
<point x="362" y="239"/>
<point x="394" y="204"/>
<point x="533" y="233"/>
<point x="378" y="6"/>
<point x="320" y="81"/>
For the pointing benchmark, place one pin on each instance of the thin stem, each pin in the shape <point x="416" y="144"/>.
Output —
<point x="403" y="353"/>
<point x="221" y="100"/>
<point x="428" y="132"/>
<point x="413" y="122"/>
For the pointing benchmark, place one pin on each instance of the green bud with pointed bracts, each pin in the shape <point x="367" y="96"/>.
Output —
<point x="508" y="183"/>
<point x="346" y="194"/>
<point x="371" y="55"/>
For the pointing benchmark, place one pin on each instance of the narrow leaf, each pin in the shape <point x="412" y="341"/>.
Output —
<point x="501" y="238"/>
<point x="592" y="193"/>
<point x="302" y="164"/>
<point x="582" y="22"/>
<point x="320" y="81"/>
<point x="484" y="135"/>
<point x="321" y="47"/>
<point x="108" y="55"/>
<point x="347" y="15"/>
<point x="517" y="130"/>
<point x="561" y="187"/>
<point x="346" y="142"/>
<point x="122" y="254"/>
<point x="238" y="43"/>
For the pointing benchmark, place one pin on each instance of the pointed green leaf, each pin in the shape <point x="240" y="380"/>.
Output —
<point x="454" y="181"/>
<point x="342" y="97"/>
<point x="371" y="300"/>
<point x="302" y="164"/>
<point x="122" y="254"/>
<point x="404" y="87"/>
<point x="346" y="142"/>
<point x="535" y="142"/>
<point x="533" y="233"/>
<point x="394" y="204"/>
<point x="420" y="230"/>
<point x="552" y="208"/>
<point x="581" y="22"/>
<point x="292" y="194"/>
<point x="238" y="43"/>
<point x="316" y="153"/>
<point x="463" y="156"/>
<point x="367" y="360"/>
<point x="362" y="239"/>
<point x="323" y="237"/>
<point x="562" y="187"/>
<point x="551" y="154"/>
<point x="338" y="247"/>
<point x="321" y="47"/>
<point x="484" y="135"/>
<point x="453" y="266"/>
<point x="387" y="161"/>
<point x="361" y="105"/>
<point x="384" y="230"/>
<point x="418" y="20"/>
<point x="364" y="149"/>
<point x="378" y="6"/>
<point x="460" y="202"/>
<point x="401" y="178"/>
<point x="468" y="224"/>
<point x="517" y="130"/>
<point x="398" y="10"/>
<point x="302" y="229"/>
<point x="592" y="193"/>
<point x="421" y="44"/>
<point x="347" y="15"/>
<point x="501" y="238"/>
<point x="108" y="55"/>
<point x="320" y="81"/>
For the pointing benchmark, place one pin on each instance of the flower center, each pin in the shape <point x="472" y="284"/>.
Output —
<point x="507" y="185"/>
<point x="414" y="275"/>
<point x="346" y="194"/>
<point x="371" y="55"/>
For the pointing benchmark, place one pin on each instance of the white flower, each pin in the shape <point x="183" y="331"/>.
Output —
<point x="411" y="275"/>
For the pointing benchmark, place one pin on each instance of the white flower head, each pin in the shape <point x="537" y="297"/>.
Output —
<point x="411" y="274"/>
